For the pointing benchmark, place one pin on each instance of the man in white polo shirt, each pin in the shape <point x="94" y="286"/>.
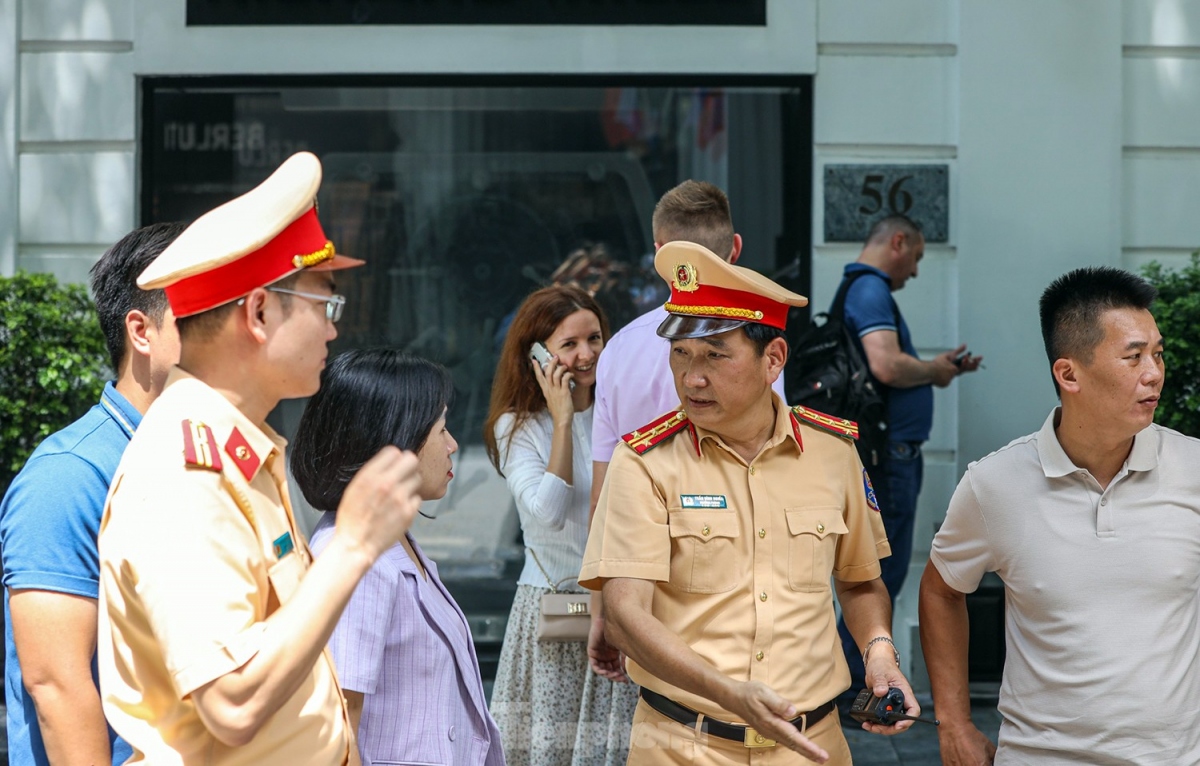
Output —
<point x="1093" y="524"/>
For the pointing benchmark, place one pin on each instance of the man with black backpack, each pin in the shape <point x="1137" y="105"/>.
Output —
<point x="894" y="404"/>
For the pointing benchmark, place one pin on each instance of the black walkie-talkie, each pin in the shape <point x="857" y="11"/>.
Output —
<point x="885" y="710"/>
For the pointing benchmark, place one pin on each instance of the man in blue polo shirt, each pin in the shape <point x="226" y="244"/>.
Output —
<point x="894" y="247"/>
<point x="50" y="516"/>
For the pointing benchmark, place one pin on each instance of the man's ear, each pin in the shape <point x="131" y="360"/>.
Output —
<point x="776" y="354"/>
<point x="897" y="242"/>
<point x="737" y="248"/>
<point x="137" y="327"/>
<point x="252" y="314"/>
<point x="1066" y="375"/>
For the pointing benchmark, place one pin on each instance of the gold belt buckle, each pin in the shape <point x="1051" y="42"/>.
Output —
<point x="754" y="739"/>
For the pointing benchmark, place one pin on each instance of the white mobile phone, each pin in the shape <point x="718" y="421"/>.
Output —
<point x="541" y="354"/>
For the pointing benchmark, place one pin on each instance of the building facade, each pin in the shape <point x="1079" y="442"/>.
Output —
<point x="1067" y="133"/>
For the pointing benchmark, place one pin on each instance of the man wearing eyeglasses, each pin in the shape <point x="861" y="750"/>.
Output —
<point x="213" y="616"/>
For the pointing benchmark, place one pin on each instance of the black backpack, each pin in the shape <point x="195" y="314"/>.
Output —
<point x="828" y="372"/>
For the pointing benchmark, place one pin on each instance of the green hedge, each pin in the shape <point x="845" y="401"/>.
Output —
<point x="1177" y="312"/>
<point x="53" y="363"/>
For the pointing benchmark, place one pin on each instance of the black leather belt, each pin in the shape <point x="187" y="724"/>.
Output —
<point x="732" y="731"/>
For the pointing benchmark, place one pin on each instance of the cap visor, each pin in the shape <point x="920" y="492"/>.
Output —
<point x="678" y="327"/>
<point x="338" y="262"/>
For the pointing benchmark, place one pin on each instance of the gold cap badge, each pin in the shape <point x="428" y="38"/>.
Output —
<point x="686" y="280"/>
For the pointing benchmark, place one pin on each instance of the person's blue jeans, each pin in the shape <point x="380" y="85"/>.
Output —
<point x="897" y="497"/>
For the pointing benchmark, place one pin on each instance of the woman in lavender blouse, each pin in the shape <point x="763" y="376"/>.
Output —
<point x="402" y="648"/>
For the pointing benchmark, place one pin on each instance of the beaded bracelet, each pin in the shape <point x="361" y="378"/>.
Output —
<point x="876" y="640"/>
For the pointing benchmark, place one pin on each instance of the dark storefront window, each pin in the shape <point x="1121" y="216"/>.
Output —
<point x="463" y="198"/>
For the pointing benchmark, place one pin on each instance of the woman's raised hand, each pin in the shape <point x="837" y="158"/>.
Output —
<point x="555" y="381"/>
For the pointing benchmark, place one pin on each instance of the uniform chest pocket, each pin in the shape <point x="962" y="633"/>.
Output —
<point x="702" y="550"/>
<point x="813" y="535"/>
<point x="285" y="576"/>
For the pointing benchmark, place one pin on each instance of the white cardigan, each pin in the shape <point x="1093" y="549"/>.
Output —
<point x="553" y="513"/>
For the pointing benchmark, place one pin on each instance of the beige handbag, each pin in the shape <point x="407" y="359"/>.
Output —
<point x="563" y="616"/>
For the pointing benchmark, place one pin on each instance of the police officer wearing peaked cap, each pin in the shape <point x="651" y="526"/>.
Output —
<point x="718" y="529"/>
<point x="213" y="616"/>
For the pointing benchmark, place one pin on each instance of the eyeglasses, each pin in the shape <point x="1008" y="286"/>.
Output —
<point x="334" y="304"/>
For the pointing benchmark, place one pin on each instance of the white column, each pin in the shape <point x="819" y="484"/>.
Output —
<point x="1039" y="160"/>
<point x="77" y="128"/>
<point x="8" y="135"/>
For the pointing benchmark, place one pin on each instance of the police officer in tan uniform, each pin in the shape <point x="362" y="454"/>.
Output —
<point x="718" y="529"/>
<point x="213" y="617"/>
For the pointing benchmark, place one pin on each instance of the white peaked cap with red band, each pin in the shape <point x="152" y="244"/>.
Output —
<point x="251" y="241"/>
<point x="709" y="295"/>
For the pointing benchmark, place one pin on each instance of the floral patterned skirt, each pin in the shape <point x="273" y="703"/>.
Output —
<point x="552" y="710"/>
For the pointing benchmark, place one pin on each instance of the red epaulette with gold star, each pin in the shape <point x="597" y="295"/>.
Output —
<point x="654" y="433"/>
<point x="200" y="447"/>
<point x="847" y="429"/>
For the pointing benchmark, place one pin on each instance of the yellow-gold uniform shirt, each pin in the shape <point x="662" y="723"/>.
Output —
<point x="198" y="547"/>
<point x="742" y="554"/>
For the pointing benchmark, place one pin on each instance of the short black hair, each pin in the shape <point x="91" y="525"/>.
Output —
<point x="113" y="280"/>
<point x="885" y="227"/>
<point x="1072" y="305"/>
<point x="760" y="335"/>
<point x="369" y="398"/>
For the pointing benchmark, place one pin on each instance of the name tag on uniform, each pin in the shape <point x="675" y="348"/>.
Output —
<point x="283" y="545"/>
<point x="703" y="501"/>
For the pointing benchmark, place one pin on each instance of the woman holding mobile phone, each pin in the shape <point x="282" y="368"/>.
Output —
<point x="538" y="435"/>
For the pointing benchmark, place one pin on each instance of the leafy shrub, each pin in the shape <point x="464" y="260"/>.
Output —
<point x="53" y="363"/>
<point x="1177" y="312"/>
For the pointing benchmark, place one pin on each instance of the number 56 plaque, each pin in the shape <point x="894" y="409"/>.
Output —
<point x="856" y="196"/>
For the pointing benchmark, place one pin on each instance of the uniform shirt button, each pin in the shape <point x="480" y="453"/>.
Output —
<point x="751" y="470"/>
<point x="820" y="528"/>
<point x="759" y="656"/>
<point x="450" y="733"/>
<point x="762" y="532"/>
<point x="1104" y="501"/>
<point x="706" y="531"/>
<point x="762" y="596"/>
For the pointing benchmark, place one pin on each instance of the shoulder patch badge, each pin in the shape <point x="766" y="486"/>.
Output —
<point x="200" y="447"/>
<point x="654" y="433"/>
<point x="847" y="429"/>
<point x="871" y="499"/>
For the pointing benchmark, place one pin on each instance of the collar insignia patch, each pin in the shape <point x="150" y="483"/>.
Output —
<point x="243" y="456"/>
